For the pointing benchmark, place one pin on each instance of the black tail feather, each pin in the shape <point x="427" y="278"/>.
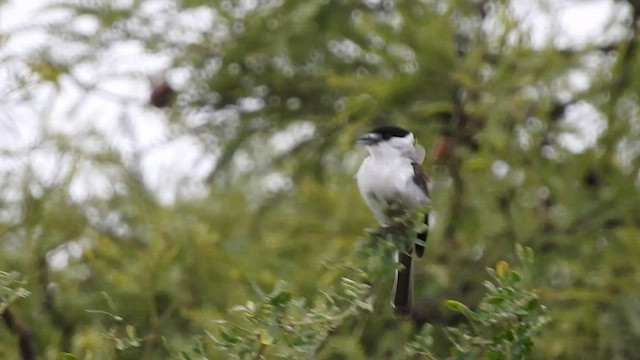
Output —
<point x="403" y="287"/>
<point x="423" y="237"/>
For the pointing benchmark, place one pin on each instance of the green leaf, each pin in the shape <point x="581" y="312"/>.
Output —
<point x="457" y="306"/>
<point x="520" y="252"/>
<point x="131" y="331"/>
<point x="266" y="338"/>
<point x="227" y="337"/>
<point x="525" y="254"/>
<point x="256" y="288"/>
<point x="515" y="277"/>
<point x="502" y="268"/>
<point x="282" y="298"/>
<point x="495" y="299"/>
<point x="490" y="287"/>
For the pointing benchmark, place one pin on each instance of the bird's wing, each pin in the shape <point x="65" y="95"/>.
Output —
<point x="421" y="179"/>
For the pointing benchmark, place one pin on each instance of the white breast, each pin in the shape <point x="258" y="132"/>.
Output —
<point x="388" y="178"/>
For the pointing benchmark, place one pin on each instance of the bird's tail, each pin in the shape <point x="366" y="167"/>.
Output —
<point x="422" y="237"/>
<point x="403" y="287"/>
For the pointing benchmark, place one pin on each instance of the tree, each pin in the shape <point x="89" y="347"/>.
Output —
<point x="269" y="96"/>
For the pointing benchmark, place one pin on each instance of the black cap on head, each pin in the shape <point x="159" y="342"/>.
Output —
<point x="382" y="133"/>
<point x="387" y="132"/>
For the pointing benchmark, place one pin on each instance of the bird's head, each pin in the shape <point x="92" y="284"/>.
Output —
<point x="388" y="141"/>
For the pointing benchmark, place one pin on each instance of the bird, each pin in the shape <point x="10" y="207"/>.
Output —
<point x="393" y="173"/>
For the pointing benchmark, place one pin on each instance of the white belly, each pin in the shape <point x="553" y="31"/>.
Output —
<point x="381" y="180"/>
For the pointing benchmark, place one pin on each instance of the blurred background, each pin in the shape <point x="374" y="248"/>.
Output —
<point x="157" y="157"/>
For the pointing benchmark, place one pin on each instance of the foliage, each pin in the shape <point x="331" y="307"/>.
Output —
<point x="282" y="326"/>
<point x="279" y="325"/>
<point x="11" y="289"/>
<point x="502" y="327"/>
<point x="504" y="323"/>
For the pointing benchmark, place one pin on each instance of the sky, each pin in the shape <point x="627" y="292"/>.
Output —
<point x="135" y="129"/>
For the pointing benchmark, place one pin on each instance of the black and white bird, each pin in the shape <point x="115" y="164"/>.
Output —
<point x="392" y="173"/>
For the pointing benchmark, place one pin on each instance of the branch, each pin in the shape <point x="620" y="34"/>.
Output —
<point x="66" y="327"/>
<point x="280" y="325"/>
<point x="104" y="93"/>
<point x="25" y="337"/>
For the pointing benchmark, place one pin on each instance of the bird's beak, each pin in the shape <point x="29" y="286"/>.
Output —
<point x="368" y="139"/>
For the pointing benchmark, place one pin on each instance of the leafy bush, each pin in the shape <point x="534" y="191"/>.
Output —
<point x="502" y="326"/>
<point x="11" y="288"/>
<point x="281" y="325"/>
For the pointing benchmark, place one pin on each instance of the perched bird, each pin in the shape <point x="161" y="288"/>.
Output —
<point x="392" y="173"/>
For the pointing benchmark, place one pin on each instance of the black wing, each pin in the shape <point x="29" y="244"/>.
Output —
<point x="421" y="179"/>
